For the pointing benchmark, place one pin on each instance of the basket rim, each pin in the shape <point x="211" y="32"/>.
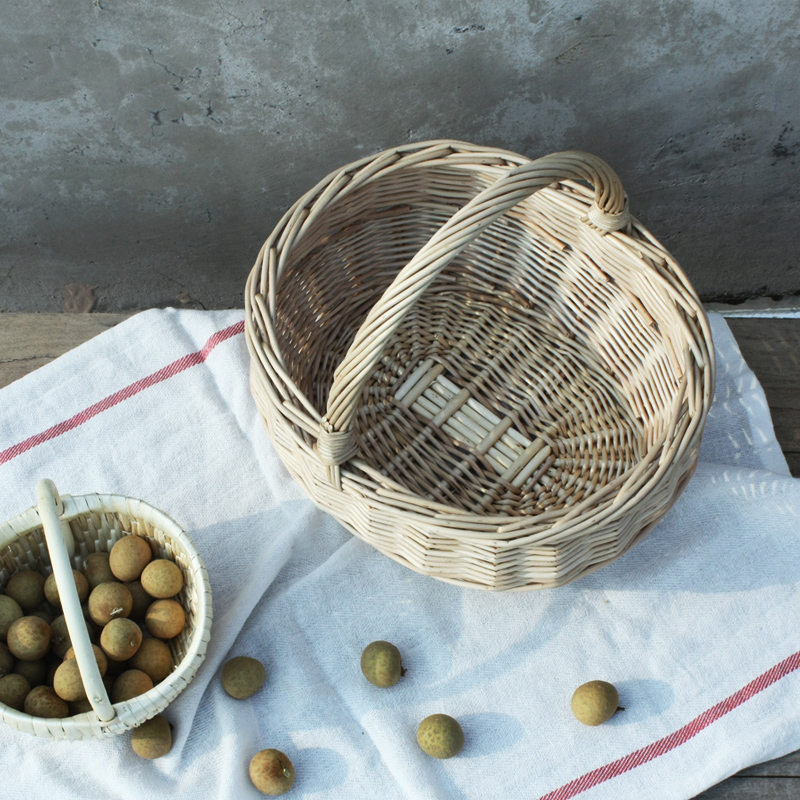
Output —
<point x="261" y="301"/>
<point x="132" y="712"/>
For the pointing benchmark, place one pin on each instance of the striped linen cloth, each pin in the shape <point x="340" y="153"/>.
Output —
<point x="697" y="626"/>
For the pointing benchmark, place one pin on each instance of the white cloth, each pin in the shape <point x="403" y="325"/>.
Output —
<point x="697" y="626"/>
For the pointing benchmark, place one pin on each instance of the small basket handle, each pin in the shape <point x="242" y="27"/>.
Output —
<point x="336" y="442"/>
<point x="59" y="543"/>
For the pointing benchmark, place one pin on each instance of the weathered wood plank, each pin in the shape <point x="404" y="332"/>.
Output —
<point x="747" y="788"/>
<point x="29" y="341"/>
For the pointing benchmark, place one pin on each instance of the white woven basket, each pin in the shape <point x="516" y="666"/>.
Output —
<point x="56" y="536"/>
<point x="479" y="364"/>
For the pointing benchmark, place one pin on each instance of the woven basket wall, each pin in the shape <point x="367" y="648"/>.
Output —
<point x="481" y="365"/>
<point x="96" y="522"/>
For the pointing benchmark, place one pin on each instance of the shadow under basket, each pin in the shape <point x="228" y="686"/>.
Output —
<point x="56" y="536"/>
<point x="480" y="364"/>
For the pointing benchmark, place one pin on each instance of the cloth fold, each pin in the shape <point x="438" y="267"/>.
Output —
<point x="696" y="626"/>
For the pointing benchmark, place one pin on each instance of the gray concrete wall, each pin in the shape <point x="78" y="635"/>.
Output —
<point x="148" y="148"/>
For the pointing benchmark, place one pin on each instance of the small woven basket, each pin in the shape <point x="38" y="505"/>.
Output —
<point x="479" y="365"/>
<point x="56" y="536"/>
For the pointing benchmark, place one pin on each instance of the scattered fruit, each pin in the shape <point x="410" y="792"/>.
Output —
<point x="153" y="738"/>
<point x="153" y="658"/>
<point x="42" y="701"/>
<point x="97" y="569"/>
<point x="440" y="736"/>
<point x="271" y="772"/>
<point x="109" y="601"/>
<point x="67" y="681"/>
<point x="130" y="683"/>
<point x="595" y="702"/>
<point x="381" y="664"/>
<point x="243" y="676"/>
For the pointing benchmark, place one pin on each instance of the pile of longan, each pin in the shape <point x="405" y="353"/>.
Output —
<point x="131" y="612"/>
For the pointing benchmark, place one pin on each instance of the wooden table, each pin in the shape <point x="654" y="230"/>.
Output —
<point x="771" y="348"/>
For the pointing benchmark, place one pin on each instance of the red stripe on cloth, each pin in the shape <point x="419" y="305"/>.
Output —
<point x="176" y="367"/>
<point x="679" y="737"/>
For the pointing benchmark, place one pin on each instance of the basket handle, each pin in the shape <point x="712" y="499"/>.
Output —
<point x="59" y="542"/>
<point x="609" y="212"/>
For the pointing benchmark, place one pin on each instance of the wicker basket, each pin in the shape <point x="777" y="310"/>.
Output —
<point x="485" y="369"/>
<point x="57" y="536"/>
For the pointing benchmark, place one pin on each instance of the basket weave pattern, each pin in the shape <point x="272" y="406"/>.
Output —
<point x="487" y="370"/>
<point x="96" y="522"/>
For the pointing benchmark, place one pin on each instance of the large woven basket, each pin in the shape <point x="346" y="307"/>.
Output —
<point x="481" y="366"/>
<point x="56" y="536"/>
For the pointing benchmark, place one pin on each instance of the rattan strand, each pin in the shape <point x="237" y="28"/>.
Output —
<point x="485" y="369"/>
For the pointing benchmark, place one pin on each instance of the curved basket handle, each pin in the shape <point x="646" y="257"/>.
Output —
<point x="609" y="212"/>
<point x="58" y="545"/>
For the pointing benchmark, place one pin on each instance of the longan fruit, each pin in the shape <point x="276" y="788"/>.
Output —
<point x="26" y="587"/>
<point x="120" y="639"/>
<point x="595" y="702"/>
<point x="99" y="657"/>
<point x="13" y="691"/>
<point x="35" y="672"/>
<point x="243" y="676"/>
<point x="162" y="578"/>
<point x="141" y="600"/>
<point x="271" y="772"/>
<point x="51" y="588"/>
<point x="153" y="658"/>
<point x="130" y="683"/>
<point x="79" y="707"/>
<point x="109" y="601"/>
<point x="42" y="701"/>
<point x="97" y="570"/>
<point x="6" y="660"/>
<point x="29" y="638"/>
<point x="440" y="736"/>
<point x="381" y="664"/>
<point x="165" y="619"/>
<point x="9" y="611"/>
<point x="153" y="738"/>
<point x="128" y="557"/>
<point x="67" y="681"/>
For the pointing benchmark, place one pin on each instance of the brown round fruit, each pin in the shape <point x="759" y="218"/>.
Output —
<point x="51" y="588"/>
<point x="165" y="619"/>
<point x="97" y="570"/>
<point x="26" y="587"/>
<point x="35" y="672"/>
<point x="162" y="578"/>
<point x="99" y="657"/>
<point x="271" y="772"/>
<point x="67" y="681"/>
<point x="6" y="660"/>
<point x="243" y="676"/>
<point x="9" y="611"/>
<point x="109" y="601"/>
<point x="29" y="638"/>
<point x="440" y="736"/>
<point x="381" y="664"/>
<point x="595" y="702"/>
<point x="13" y="691"/>
<point x="42" y="701"/>
<point x="120" y="639"/>
<point x="141" y="600"/>
<point x="130" y="683"/>
<point x="153" y="738"/>
<point x="153" y="658"/>
<point x="129" y="556"/>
